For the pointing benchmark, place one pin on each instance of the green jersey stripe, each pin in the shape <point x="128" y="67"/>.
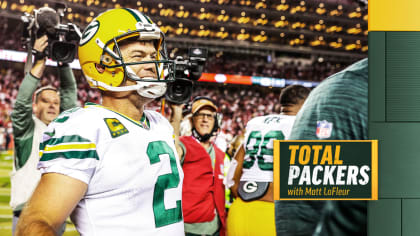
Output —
<point x="63" y="139"/>
<point x="70" y="155"/>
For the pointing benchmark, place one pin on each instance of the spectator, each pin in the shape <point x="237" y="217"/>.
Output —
<point x="203" y="193"/>
<point x="28" y="127"/>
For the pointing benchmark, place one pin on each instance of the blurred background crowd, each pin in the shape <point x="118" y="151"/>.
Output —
<point x="294" y="40"/>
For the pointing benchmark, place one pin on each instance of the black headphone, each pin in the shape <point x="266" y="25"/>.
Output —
<point x="217" y="121"/>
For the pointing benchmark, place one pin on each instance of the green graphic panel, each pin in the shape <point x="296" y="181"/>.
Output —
<point x="384" y="217"/>
<point x="410" y="215"/>
<point x="403" y="76"/>
<point x="398" y="159"/>
<point x="394" y="120"/>
<point x="377" y="76"/>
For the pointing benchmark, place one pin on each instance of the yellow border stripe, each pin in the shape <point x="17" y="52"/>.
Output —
<point x="374" y="170"/>
<point x="276" y="169"/>
<point x="393" y="15"/>
<point x="326" y="140"/>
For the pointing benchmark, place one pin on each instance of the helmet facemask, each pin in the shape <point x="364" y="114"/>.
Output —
<point x="102" y="61"/>
<point x="150" y="87"/>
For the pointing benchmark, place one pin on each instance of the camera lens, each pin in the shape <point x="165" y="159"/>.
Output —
<point x="179" y="91"/>
<point x="62" y="51"/>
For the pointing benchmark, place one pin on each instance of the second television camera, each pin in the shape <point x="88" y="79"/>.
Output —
<point x="62" y="38"/>
<point x="186" y="71"/>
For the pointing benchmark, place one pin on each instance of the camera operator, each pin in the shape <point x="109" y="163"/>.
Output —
<point x="30" y="119"/>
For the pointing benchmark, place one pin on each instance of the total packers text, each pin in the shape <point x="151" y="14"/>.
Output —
<point x="321" y="165"/>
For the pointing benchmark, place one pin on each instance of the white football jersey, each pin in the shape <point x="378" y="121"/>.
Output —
<point x="258" y="145"/>
<point x="133" y="172"/>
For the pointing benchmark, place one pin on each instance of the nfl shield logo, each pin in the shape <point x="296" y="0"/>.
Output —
<point x="323" y="129"/>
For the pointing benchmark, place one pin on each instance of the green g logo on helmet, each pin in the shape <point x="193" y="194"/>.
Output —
<point x="99" y="45"/>
<point x="89" y="32"/>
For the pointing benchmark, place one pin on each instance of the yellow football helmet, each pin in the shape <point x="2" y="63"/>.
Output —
<point x="99" y="46"/>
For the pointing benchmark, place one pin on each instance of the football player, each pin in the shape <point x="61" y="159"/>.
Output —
<point x="252" y="212"/>
<point x="113" y="166"/>
<point x="342" y="102"/>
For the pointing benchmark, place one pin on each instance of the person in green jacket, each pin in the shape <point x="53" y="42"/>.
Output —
<point x="340" y="102"/>
<point x="29" y="121"/>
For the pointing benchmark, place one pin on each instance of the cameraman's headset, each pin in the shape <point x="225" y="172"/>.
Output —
<point x="217" y="121"/>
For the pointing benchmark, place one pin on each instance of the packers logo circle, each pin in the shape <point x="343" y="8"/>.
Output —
<point x="89" y="32"/>
<point x="250" y="187"/>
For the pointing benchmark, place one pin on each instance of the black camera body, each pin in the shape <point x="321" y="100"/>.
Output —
<point x="63" y="45"/>
<point x="62" y="38"/>
<point x="186" y="71"/>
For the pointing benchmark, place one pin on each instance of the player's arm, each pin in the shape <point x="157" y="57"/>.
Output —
<point x="51" y="203"/>
<point x="175" y="120"/>
<point x="239" y="157"/>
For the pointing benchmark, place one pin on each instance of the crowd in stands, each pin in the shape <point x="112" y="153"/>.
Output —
<point x="10" y="34"/>
<point x="252" y="65"/>
<point x="218" y="62"/>
<point x="237" y="104"/>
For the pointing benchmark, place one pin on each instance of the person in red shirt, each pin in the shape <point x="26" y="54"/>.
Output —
<point x="203" y="193"/>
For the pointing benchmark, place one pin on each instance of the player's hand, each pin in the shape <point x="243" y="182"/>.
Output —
<point x="41" y="43"/>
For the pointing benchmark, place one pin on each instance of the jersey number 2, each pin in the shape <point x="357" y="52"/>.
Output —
<point x="257" y="149"/>
<point x="164" y="216"/>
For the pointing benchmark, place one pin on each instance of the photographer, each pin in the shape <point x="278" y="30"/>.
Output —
<point x="30" y="119"/>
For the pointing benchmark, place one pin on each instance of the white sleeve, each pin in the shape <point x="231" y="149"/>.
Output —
<point x="69" y="148"/>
